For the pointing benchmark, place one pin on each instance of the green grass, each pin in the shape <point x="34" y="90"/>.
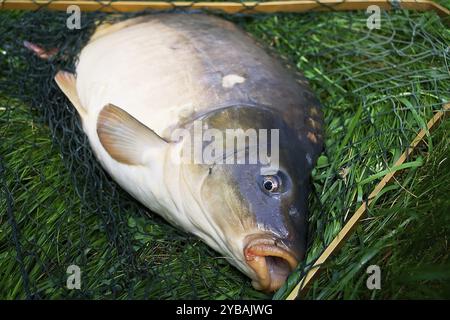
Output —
<point x="444" y="3"/>
<point x="406" y="234"/>
<point x="378" y="89"/>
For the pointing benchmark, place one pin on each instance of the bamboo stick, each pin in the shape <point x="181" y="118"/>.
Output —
<point x="346" y="231"/>
<point x="228" y="7"/>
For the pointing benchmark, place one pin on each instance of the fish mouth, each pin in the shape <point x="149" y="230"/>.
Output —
<point x="271" y="261"/>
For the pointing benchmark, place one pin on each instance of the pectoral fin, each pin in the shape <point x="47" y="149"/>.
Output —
<point x="67" y="83"/>
<point x="126" y="139"/>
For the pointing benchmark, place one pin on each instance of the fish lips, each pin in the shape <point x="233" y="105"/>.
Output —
<point x="271" y="261"/>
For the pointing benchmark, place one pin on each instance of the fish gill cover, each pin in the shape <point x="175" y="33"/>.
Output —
<point x="378" y="88"/>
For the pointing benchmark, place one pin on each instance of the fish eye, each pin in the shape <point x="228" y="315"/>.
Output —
<point x="271" y="183"/>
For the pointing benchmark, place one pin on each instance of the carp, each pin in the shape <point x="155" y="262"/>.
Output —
<point x="153" y="89"/>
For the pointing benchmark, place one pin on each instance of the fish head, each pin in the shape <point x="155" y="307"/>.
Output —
<point x="255" y="213"/>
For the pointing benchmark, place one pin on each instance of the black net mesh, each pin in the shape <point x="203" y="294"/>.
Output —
<point x="58" y="207"/>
